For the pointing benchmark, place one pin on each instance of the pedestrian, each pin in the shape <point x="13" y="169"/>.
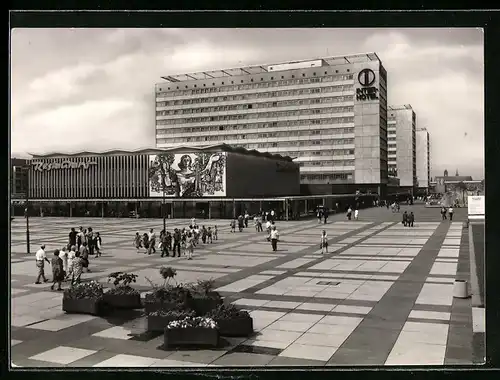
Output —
<point x="398" y="206"/>
<point x="84" y="254"/>
<point x="256" y="223"/>
<point x="40" y="258"/>
<point x="137" y="241"/>
<point x="319" y="215"/>
<point x="268" y="230"/>
<point x="215" y="232"/>
<point x="411" y="219"/>
<point x="204" y="234"/>
<point x="233" y="225"/>
<point x="80" y="237"/>
<point x="324" y="242"/>
<point x="90" y="242"/>
<point x="349" y="213"/>
<point x="152" y="242"/>
<point x="259" y="223"/>
<point x="325" y="214"/>
<point x="356" y="214"/>
<point x="274" y="238"/>
<point x="72" y="238"/>
<point x="78" y="265"/>
<point x="57" y="271"/>
<point x="98" y="244"/>
<point x="450" y="212"/>
<point x="71" y="258"/>
<point x="443" y="213"/>
<point x="189" y="246"/>
<point x="209" y="235"/>
<point x="177" y="243"/>
<point x="240" y="223"/>
<point x="63" y="254"/>
<point x="273" y="215"/>
<point x="246" y="217"/>
<point x="164" y="244"/>
<point x="405" y="219"/>
<point x="183" y="240"/>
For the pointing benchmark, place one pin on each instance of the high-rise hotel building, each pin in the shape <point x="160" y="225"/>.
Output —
<point x="423" y="160"/>
<point x="401" y="135"/>
<point x="330" y="114"/>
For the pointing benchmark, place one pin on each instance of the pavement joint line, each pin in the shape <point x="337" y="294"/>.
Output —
<point x="384" y="347"/>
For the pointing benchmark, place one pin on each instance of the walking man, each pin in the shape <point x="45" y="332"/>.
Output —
<point x="325" y="214"/>
<point x="274" y="238"/>
<point x="152" y="242"/>
<point x="411" y="219"/>
<point x="405" y="218"/>
<point x="177" y="243"/>
<point x="450" y="212"/>
<point x="40" y="258"/>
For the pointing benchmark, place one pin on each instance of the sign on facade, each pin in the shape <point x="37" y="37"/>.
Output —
<point x="366" y="78"/>
<point x="475" y="206"/>
<point x="46" y="166"/>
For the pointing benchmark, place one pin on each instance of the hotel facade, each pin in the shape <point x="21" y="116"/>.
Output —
<point x="329" y="114"/>
<point x="401" y="135"/>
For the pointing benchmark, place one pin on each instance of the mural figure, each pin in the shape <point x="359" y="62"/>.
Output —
<point x="188" y="175"/>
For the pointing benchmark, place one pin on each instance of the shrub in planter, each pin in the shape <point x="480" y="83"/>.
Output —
<point x="158" y="320"/>
<point x="123" y="296"/>
<point x="192" y="331"/>
<point x="232" y="321"/>
<point x="84" y="298"/>
<point x="203" y="299"/>
<point x="166" y="297"/>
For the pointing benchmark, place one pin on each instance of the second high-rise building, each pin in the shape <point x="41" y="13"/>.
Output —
<point x="330" y="114"/>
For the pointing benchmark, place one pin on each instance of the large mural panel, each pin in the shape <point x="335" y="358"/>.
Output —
<point x="188" y="175"/>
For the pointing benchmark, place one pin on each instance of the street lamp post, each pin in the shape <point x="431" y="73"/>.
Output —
<point x="163" y="210"/>
<point x="27" y="168"/>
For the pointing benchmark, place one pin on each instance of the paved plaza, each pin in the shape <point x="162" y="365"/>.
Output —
<point x="383" y="295"/>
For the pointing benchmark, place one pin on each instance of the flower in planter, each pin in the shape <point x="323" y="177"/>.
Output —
<point x="175" y="313"/>
<point x="224" y="312"/>
<point x="85" y="290"/>
<point x="122" y="281"/>
<point x="193" y="322"/>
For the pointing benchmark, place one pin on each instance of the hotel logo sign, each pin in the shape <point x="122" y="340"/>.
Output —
<point x="46" y="166"/>
<point x="366" y="78"/>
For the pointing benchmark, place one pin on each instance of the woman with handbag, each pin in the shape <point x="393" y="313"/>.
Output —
<point x="57" y="271"/>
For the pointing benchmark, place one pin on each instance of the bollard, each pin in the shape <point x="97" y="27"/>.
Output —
<point x="460" y="289"/>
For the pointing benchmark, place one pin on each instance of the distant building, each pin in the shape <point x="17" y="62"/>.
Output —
<point x="456" y="188"/>
<point x="423" y="160"/>
<point x="401" y="145"/>
<point x="18" y="178"/>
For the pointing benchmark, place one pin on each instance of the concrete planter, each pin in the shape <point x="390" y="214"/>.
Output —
<point x="123" y="301"/>
<point x="83" y="306"/>
<point x="192" y="336"/>
<point x="236" y="327"/>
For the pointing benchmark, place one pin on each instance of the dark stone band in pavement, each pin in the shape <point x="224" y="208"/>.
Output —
<point x="373" y="339"/>
<point x="459" y="345"/>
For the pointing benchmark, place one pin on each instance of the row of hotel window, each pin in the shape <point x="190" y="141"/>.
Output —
<point x="327" y="163"/>
<point x="272" y="83"/>
<point x="239" y="107"/>
<point x="277" y="144"/>
<point x="256" y="95"/>
<point x="258" y="115"/>
<point x="273" y="124"/>
<point x="250" y="136"/>
<point x="326" y="177"/>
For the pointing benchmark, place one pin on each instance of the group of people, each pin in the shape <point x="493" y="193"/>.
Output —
<point x="186" y="239"/>
<point x="69" y="262"/>
<point x="408" y="219"/>
<point x="448" y="211"/>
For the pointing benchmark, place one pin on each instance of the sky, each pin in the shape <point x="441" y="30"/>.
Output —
<point x="93" y="89"/>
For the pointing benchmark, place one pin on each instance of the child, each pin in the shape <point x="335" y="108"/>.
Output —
<point x="215" y="232"/>
<point x="137" y="241"/>
<point x="356" y="213"/>
<point x="324" y="242"/>
<point x="233" y="225"/>
<point x="98" y="244"/>
<point x="209" y="235"/>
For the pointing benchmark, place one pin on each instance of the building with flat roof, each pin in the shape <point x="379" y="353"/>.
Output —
<point x="401" y="135"/>
<point x="186" y="180"/>
<point x="423" y="153"/>
<point x="329" y="114"/>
